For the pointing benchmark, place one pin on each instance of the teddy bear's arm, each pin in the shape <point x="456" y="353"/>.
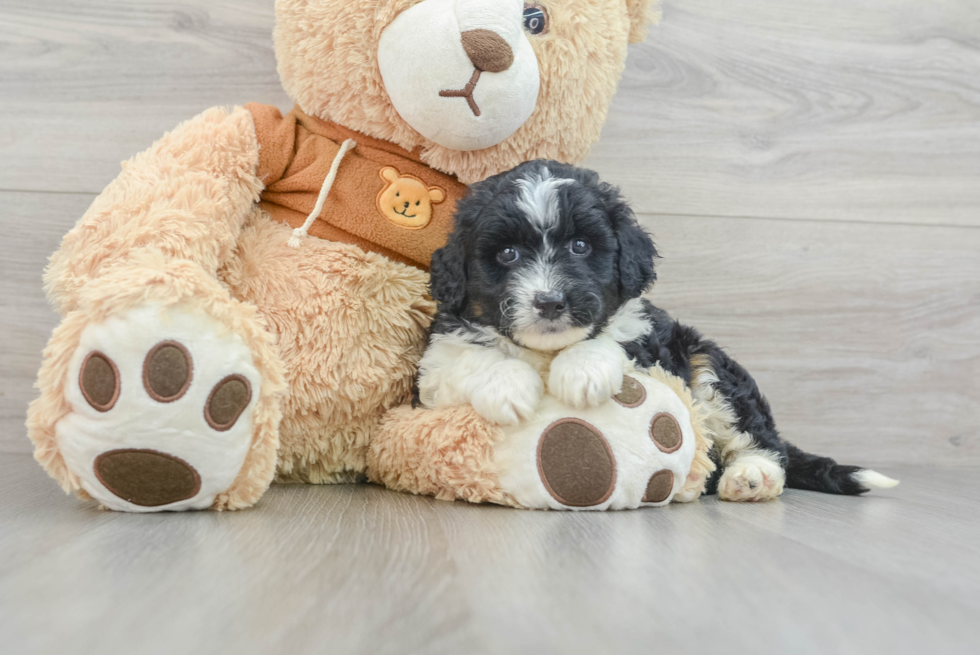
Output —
<point x="186" y="197"/>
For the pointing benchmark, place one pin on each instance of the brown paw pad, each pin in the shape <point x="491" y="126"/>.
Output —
<point x="99" y="381"/>
<point x="167" y="371"/>
<point x="227" y="401"/>
<point x="576" y="463"/>
<point x="659" y="487"/>
<point x="633" y="393"/>
<point x="666" y="432"/>
<point x="146" y="477"/>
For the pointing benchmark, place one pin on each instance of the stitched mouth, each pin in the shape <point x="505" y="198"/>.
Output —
<point x="466" y="92"/>
<point x="403" y="213"/>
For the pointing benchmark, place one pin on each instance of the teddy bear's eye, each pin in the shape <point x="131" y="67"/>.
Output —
<point x="398" y="194"/>
<point x="418" y="202"/>
<point x="535" y="19"/>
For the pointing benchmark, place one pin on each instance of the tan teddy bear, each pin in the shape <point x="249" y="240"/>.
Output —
<point x="247" y="301"/>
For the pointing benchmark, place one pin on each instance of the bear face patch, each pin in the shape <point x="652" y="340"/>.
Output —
<point x="406" y="200"/>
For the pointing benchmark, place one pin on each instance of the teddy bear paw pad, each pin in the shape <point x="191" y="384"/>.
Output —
<point x="666" y="432"/>
<point x="147" y="478"/>
<point x="160" y="402"/>
<point x="633" y="451"/>
<point x="659" y="487"/>
<point x="576" y="463"/>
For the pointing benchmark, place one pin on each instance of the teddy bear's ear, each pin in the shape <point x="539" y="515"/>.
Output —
<point x="642" y="14"/>
<point x="436" y="195"/>
<point x="389" y="174"/>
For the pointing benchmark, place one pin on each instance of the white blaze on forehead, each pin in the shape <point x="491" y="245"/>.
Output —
<point x="539" y="198"/>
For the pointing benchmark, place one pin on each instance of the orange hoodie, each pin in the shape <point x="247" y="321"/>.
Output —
<point x="384" y="198"/>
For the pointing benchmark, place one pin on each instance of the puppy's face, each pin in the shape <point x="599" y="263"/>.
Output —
<point x="544" y="254"/>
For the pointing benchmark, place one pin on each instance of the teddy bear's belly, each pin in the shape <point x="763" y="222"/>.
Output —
<point x="350" y="329"/>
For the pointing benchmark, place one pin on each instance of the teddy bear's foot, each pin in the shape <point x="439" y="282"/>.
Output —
<point x="636" y="450"/>
<point x="644" y="448"/>
<point x="750" y="478"/>
<point x="159" y="391"/>
<point x="162" y="407"/>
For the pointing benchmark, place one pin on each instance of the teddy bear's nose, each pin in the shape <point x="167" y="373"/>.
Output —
<point x="488" y="50"/>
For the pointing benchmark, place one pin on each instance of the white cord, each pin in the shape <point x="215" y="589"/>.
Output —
<point x="300" y="233"/>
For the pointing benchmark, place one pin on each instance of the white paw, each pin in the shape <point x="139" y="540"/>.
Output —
<point x="161" y="406"/>
<point x="506" y="393"/>
<point x="587" y="374"/>
<point x="752" y="478"/>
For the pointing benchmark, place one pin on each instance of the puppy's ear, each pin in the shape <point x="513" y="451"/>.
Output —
<point x="636" y="250"/>
<point x="447" y="275"/>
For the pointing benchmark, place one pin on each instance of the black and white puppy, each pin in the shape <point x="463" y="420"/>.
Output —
<point x="542" y="281"/>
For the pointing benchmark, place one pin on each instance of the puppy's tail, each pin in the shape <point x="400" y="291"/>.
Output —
<point x="816" y="473"/>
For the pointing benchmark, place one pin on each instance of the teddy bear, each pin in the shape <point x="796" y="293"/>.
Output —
<point x="247" y="301"/>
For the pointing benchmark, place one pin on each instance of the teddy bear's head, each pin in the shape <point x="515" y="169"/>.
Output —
<point x="478" y="86"/>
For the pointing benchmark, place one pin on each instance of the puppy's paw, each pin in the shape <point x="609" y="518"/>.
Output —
<point x="587" y="374"/>
<point x="507" y="393"/>
<point x="752" y="478"/>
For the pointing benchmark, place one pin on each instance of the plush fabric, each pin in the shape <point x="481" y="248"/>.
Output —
<point x="297" y="152"/>
<point x="491" y="107"/>
<point x="327" y="54"/>
<point x="151" y="279"/>
<point x="453" y="453"/>
<point x="321" y="341"/>
<point x="350" y="327"/>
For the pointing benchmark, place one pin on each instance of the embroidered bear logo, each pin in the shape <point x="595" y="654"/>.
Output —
<point x="406" y="200"/>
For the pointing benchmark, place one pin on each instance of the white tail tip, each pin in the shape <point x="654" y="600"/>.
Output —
<point x="873" y="480"/>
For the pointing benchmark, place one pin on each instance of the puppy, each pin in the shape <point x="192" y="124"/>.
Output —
<point x="541" y="283"/>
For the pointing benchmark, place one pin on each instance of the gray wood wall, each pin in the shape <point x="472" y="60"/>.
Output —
<point x="811" y="172"/>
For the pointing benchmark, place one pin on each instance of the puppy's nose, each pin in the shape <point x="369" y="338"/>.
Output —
<point x="488" y="50"/>
<point x="550" y="304"/>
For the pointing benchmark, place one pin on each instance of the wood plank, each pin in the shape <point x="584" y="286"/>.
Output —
<point x="371" y="571"/>
<point x="796" y="110"/>
<point x="85" y="85"/>
<point x="863" y="336"/>
<point x="836" y="110"/>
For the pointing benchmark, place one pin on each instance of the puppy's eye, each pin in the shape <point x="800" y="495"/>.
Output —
<point x="580" y="247"/>
<point x="535" y="19"/>
<point x="508" y="256"/>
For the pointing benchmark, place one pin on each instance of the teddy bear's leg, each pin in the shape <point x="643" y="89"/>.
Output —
<point x="159" y="390"/>
<point x="628" y="452"/>
<point x="350" y="329"/>
<point x="447" y="453"/>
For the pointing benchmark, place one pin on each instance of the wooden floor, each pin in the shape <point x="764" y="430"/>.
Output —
<point x="811" y="172"/>
<point x="359" y="569"/>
